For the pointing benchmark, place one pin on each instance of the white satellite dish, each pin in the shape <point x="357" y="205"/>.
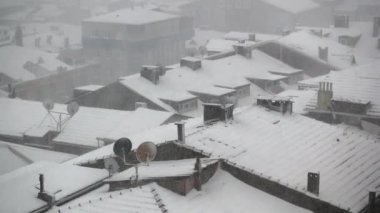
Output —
<point x="48" y="104"/>
<point x="72" y="108"/>
<point x="111" y="165"/>
<point x="146" y="152"/>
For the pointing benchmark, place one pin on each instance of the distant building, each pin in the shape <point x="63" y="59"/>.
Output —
<point x="125" y="40"/>
<point x="248" y="15"/>
<point x="358" y="10"/>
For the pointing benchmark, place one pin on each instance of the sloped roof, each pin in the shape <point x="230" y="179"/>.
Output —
<point x="83" y="128"/>
<point x="137" y="200"/>
<point x="18" y="188"/>
<point x="91" y="123"/>
<point x="224" y="193"/>
<point x="20" y="156"/>
<point x="339" y="55"/>
<point x="13" y="58"/>
<point x="366" y="81"/>
<point x="284" y="148"/>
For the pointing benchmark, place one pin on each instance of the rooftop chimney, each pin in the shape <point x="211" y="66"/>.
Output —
<point x="181" y="132"/>
<point x="243" y="49"/>
<point x="372" y="202"/>
<point x="198" y="175"/>
<point x="252" y="37"/>
<point x="217" y="112"/>
<point x="313" y="182"/>
<point x="325" y="95"/>
<point x="191" y="62"/>
<point x="152" y="73"/>
<point x="341" y="21"/>
<point x="323" y="53"/>
<point x="376" y="26"/>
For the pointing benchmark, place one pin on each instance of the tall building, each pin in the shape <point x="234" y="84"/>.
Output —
<point x="127" y="39"/>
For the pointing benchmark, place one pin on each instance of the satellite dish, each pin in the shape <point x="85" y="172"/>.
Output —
<point x="72" y="108"/>
<point x="111" y="165"/>
<point x="48" y="104"/>
<point x="122" y="147"/>
<point x="146" y="152"/>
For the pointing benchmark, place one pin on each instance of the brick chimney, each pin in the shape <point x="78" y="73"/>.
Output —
<point x="376" y="26"/>
<point x="243" y="49"/>
<point x="152" y="73"/>
<point x="217" y="112"/>
<point x="323" y="53"/>
<point x="181" y="132"/>
<point x="313" y="182"/>
<point x="191" y="62"/>
<point x="325" y="95"/>
<point x="341" y="21"/>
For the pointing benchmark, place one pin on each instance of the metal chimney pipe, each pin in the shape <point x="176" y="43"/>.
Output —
<point x="41" y="183"/>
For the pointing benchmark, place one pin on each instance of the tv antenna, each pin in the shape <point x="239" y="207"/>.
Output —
<point x="72" y="108"/>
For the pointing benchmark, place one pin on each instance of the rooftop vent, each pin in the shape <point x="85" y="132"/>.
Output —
<point x="243" y="49"/>
<point x="152" y="73"/>
<point x="313" y="182"/>
<point x="217" y="112"/>
<point x="191" y="62"/>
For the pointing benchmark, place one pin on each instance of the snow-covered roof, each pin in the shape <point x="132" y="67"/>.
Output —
<point x="293" y="6"/>
<point x="13" y="58"/>
<point x="243" y="36"/>
<point x="301" y="99"/>
<point x="224" y="193"/>
<point x="135" y="16"/>
<point x="137" y="200"/>
<point x="20" y="116"/>
<point x="229" y="72"/>
<point x="18" y="188"/>
<point x="19" y="156"/>
<point x="221" y="45"/>
<point x="365" y="77"/>
<point x="161" y="169"/>
<point x="339" y="55"/>
<point x="284" y="148"/>
<point x="89" y="88"/>
<point x="83" y="128"/>
<point x="89" y="124"/>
